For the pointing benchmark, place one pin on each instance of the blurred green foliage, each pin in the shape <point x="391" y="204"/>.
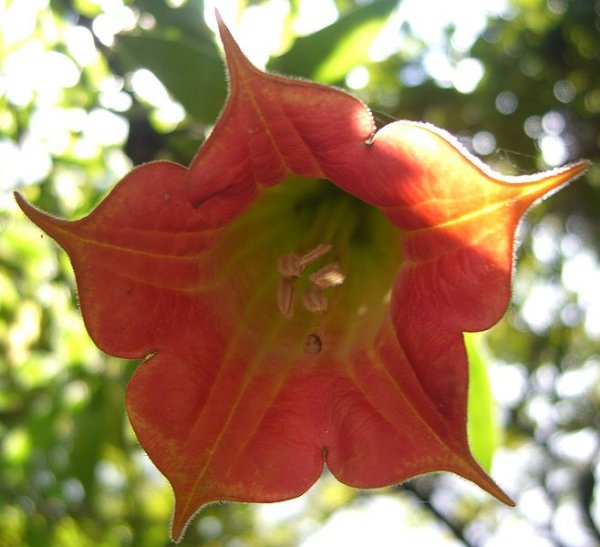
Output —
<point x="76" y="114"/>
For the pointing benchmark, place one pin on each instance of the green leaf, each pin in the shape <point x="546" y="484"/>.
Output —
<point x="481" y="422"/>
<point x="192" y="71"/>
<point x="328" y="54"/>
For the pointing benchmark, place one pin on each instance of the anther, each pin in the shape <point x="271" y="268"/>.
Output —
<point x="314" y="300"/>
<point x="285" y="297"/>
<point x="329" y="275"/>
<point x="313" y="344"/>
<point x="289" y="265"/>
<point x="314" y="254"/>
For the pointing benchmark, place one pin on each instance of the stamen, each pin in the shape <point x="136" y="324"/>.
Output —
<point x="314" y="254"/>
<point x="285" y="297"/>
<point x="329" y="275"/>
<point x="313" y="344"/>
<point x="314" y="300"/>
<point x="289" y="265"/>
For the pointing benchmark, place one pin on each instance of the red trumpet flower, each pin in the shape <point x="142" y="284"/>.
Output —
<point x="299" y="293"/>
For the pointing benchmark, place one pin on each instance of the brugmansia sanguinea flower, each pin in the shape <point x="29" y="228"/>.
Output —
<point x="299" y="293"/>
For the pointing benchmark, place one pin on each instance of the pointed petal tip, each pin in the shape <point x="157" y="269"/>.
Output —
<point x="225" y="34"/>
<point x="531" y="189"/>
<point x="490" y="486"/>
<point x="219" y="19"/>
<point x="57" y="228"/>
<point x="484" y="481"/>
<point x="21" y="202"/>
<point x="178" y="527"/>
<point x="578" y="168"/>
<point x="561" y="176"/>
<point x="176" y="534"/>
<point x="573" y="170"/>
<point x="500" y="495"/>
<point x="32" y="213"/>
<point x="38" y="217"/>
<point x="180" y="522"/>
<point x="476" y="474"/>
<point x="234" y="56"/>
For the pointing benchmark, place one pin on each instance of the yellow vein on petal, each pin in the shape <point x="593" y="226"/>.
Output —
<point x="217" y="444"/>
<point x="537" y="186"/>
<point x="378" y="362"/>
<point x="254" y="364"/>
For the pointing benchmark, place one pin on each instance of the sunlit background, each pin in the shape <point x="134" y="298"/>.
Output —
<point x="89" y="88"/>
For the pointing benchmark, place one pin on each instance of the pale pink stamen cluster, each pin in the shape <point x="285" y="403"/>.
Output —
<point x="291" y="266"/>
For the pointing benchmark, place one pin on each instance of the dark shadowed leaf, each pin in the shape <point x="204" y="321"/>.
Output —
<point x="192" y="71"/>
<point x="328" y="54"/>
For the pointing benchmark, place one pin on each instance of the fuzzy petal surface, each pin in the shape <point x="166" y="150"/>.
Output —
<point x="178" y="266"/>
